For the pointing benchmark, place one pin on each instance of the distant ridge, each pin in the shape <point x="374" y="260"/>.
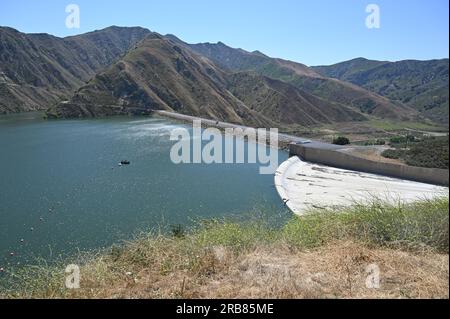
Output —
<point x="304" y="78"/>
<point x="121" y="70"/>
<point x="422" y="85"/>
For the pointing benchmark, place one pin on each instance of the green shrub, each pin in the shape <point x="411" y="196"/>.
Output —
<point x="430" y="152"/>
<point x="393" y="154"/>
<point x="403" y="139"/>
<point x="376" y="142"/>
<point x="341" y="140"/>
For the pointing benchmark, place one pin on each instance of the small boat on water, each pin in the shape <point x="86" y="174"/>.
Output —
<point x="125" y="163"/>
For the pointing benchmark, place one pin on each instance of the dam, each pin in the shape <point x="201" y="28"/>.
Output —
<point x="305" y="185"/>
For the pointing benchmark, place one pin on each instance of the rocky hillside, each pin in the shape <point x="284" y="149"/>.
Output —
<point x="419" y="84"/>
<point x="285" y="103"/>
<point x="161" y="74"/>
<point x="304" y="78"/>
<point x="158" y="74"/>
<point x="37" y="70"/>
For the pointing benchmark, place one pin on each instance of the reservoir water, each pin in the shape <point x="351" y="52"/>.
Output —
<point x="61" y="189"/>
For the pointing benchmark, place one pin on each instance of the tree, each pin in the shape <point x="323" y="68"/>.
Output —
<point x="341" y="140"/>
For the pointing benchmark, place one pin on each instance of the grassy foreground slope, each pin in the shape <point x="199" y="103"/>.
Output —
<point x="325" y="254"/>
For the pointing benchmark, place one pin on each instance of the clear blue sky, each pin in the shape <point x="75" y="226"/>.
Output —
<point x="309" y="31"/>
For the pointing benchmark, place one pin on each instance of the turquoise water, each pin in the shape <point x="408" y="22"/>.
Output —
<point x="61" y="189"/>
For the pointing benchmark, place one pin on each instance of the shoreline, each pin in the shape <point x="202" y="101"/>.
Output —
<point x="283" y="139"/>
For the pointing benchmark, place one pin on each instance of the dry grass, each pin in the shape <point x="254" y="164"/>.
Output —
<point x="337" y="270"/>
<point x="321" y="255"/>
<point x="372" y="153"/>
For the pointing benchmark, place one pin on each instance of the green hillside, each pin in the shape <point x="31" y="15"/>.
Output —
<point x="419" y="84"/>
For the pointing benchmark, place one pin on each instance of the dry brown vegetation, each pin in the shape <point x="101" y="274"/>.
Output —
<point x="337" y="270"/>
<point x="320" y="255"/>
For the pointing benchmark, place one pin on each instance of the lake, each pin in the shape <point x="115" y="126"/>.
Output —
<point x="61" y="189"/>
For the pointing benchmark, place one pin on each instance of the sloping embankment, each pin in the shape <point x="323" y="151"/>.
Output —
<point x="303" y="186"/>
<point x="335" y="158"/>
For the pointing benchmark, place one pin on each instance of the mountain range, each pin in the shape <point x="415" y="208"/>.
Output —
<point x="133" y="70"/>
<point x="422" y="85"/>
<point x="38" y="70"/>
